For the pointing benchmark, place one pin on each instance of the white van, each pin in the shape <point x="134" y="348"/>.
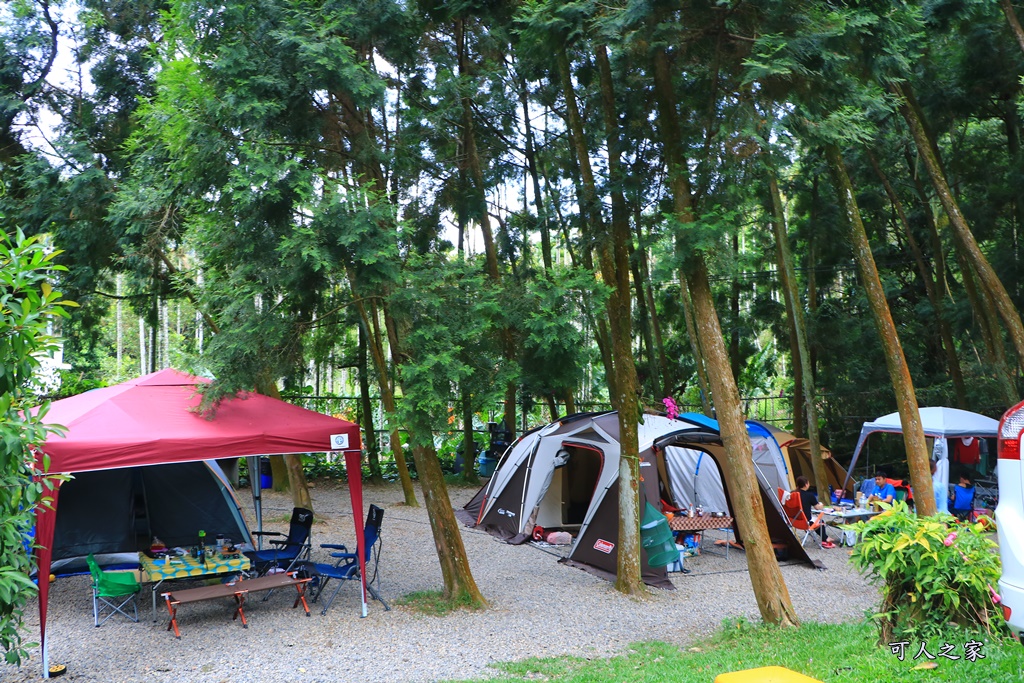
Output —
<point x="1010" y="517"/>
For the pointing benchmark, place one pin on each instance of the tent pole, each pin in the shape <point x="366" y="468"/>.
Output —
<point x="354" y="473"/>
<point x="256" y="485"/>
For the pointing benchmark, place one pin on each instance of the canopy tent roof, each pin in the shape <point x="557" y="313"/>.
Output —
<point x="153" y="420"/>
<point x="937" y="422"/>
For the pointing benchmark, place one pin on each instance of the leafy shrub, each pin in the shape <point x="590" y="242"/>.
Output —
<point x="933" y="571"/>
<point x="28" y="303"/>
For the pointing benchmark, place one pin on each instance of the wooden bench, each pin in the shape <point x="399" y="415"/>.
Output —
<point x="237" y="590"/>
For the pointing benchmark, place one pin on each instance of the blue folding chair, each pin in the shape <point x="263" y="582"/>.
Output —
<point x="290" y="551"/>
<point x="346" y="567"/>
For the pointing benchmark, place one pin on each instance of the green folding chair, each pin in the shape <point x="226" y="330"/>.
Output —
<point x="112" y="592"/>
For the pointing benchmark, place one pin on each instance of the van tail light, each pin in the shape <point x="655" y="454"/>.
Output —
<point x="1006" y="612"/>
<point x="1010" y="428"/>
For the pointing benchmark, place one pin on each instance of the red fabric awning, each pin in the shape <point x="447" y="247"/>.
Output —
<point x="150" y="420"/>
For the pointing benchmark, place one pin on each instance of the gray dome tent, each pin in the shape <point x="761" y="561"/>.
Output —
<point x="565" y="475"/>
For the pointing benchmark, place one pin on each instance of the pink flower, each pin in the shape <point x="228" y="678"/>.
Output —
<point x="671" y="409"/>
<point x="949" y="539"/>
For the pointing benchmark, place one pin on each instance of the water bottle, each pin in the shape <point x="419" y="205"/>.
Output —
<point x="201" y="554"/>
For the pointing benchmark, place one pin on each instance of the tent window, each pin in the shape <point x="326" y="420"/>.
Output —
<point x="579" y="481"/>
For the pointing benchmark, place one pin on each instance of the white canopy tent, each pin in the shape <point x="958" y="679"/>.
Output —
<point x="938" y="423"/>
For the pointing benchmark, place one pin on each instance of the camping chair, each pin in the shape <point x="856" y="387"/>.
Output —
<point x="346" y="567"/>
<point x="294" y="548"/>
<point x="112" y="591"/>
<point x="798" y="520"/>
<point x="901" y="493"/>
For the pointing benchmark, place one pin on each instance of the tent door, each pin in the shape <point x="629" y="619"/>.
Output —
<point x="579" y="481"/>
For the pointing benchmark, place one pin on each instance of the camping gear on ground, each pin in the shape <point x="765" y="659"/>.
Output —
<point x="112" y="591"/>
<point x="346" y="566"/>
<point x="565" y="476"/>
<point x="937" y="422"/>
<point x="114" y="514"/>
<point x="157" y="570"/>
<point x="656" y="538"/>
<point x="152" y="420"/>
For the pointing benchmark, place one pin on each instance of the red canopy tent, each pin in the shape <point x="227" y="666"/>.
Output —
<point x="150" y="420"/>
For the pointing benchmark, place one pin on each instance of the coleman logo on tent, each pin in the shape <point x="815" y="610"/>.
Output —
<point x="339" y="442"/>
<point x="604" y="546"/>
<point x="507" y="513"/>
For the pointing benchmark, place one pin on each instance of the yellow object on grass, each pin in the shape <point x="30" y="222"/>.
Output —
<point x="765" y="674"/>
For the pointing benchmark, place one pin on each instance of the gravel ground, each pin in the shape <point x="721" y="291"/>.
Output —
<point x="537" y="608"/>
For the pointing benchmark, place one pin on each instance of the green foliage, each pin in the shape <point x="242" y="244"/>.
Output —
<point x="28" y="304"/>
<point x="933" y="572"/>
<point x="450" y="310"/>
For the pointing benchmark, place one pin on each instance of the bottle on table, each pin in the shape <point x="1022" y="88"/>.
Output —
<point x="201" y="552"/>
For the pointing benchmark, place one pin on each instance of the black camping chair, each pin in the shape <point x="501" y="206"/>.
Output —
<point x="346" y="567"/>
<point x="290" y="551"/>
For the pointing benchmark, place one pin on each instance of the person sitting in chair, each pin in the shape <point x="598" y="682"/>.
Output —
<point x="809" y="502"/>
<point x="962" y="500"/>
<point x="883" y="490"/>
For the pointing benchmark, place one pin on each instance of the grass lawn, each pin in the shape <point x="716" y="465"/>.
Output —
<point x="828" y="652"/>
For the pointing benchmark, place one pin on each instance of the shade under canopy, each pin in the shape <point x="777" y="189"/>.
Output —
<point x="151" y="420"/>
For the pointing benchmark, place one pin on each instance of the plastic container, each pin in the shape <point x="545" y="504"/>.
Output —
<point x="486" y="464"/>
<point x="266" y="478"/>
<point x="656" y="538"/>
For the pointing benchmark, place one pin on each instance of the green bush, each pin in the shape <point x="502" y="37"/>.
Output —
<point x="933" y="572"/>
<point x="28" y="304"/>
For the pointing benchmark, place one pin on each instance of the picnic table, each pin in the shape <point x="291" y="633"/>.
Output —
<point x="156" y="570"/>
<point x="238" y="590"/>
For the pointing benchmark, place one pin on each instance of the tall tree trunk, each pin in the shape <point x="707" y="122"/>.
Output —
<point x="795" y="310"/>
<point x="590" y="209"/>
<point x="459" y="585"/>
<point x="644" y="317"/>
<point x="666" y="373"/>
<point x="387" y="395"/>
<point x="991" y="334"/>
<point x="965" y="238"/>
<point x="531" y="165"/>
<point x="615" y="269"/>
<point x="296" y="478"/>
<point x="899" y="373"/>
<point x="468" y="442"/>
<point x="1013" y="21"/>
<point x="490" y="250"/>
<point x="570" y="402"/>
<point x="734" y="310"/>
<point x="770" y="590"/>
<point x="689" y="317"/>
<point x="552" y="407"/>
<point x="812" y="279"/>
<point x="945" y="333"/>
<point x="366" y="408"/>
